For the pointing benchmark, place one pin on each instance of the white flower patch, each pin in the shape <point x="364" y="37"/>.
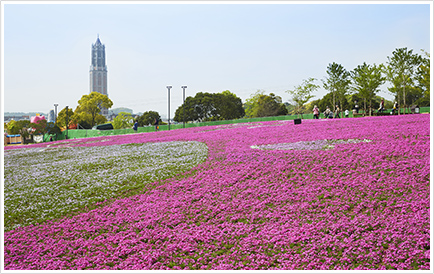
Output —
<point x="46" y="183"/>
<point x="277" y="124"/>
<point x="237" y="125"/>
<point x="309" y="145"/>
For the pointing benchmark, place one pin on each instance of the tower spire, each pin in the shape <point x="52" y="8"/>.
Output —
<point x="98" y="42"/>
<point x="98" y="70"/>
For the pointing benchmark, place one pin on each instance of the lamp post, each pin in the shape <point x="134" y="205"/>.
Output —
<point x="183" y="105"/>
<point x="55" y="112"/>
<point x="168" y="104"/>
<point x="55" y="116"/>
<point x="67" y="122"/>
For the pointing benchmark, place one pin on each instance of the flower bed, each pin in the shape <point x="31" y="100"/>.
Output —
<point x="47" y="183"/>
<point x="359" y="205"/>
<point x="308" y="145"/>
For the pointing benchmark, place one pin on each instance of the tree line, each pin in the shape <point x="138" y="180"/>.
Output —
<point x="407" y="73"/>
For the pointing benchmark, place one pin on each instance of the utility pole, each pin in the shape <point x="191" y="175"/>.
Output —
<point x="55" y="112"/>
<point x="168" y="104"/>
<point x="67" y="122"/>
<point x="183" y="105"/>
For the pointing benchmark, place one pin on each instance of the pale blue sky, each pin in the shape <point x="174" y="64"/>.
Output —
<point x="208" y="47"/>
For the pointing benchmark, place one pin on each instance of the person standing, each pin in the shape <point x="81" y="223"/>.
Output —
<point x="356" y="107"/>
<point x="136" y="125"/>
<point x="337" y="112"/>
<point x="347" y="112"/>
<point x="315" y="112"/>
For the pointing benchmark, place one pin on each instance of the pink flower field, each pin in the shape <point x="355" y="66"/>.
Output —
<point x="349" y="193"/>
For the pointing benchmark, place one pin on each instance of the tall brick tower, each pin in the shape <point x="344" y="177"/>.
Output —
<point x="98" y="71"/>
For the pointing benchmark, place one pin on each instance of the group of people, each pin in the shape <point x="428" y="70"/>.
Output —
<point x="394" y="109"/>
<point x="156" y="124"/>
<point x="328" y="113"/>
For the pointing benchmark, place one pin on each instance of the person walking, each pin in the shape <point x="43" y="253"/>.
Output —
<point x="337" y="112"/>
<point x="327" y="112"/>
<point x="156" y="122"/>
<point x="381" y="108"/>
<point x="315" y="112"/>
<point x="136" y="125"/>
<point x="395" y="107"/>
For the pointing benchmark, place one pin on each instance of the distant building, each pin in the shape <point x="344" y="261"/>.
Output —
<point x="98" y="71"/>
<point x="51" y="117"/>
<point x="9" y="118"/>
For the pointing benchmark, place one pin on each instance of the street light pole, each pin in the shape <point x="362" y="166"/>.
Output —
<point x="55" y="116"/>
<point x="168" y="104"/>
<point x="67" y="122"/>
<point x="55" y="112"/>
<point x="183" y="105"/>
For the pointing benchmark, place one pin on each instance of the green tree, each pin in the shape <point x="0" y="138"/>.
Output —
<point x="338" y="83"/>
<point x="26" y="131"/>
<point x="229" y="106"/>
<point x="262" y="105"/>
<point x="308" y="108"/>
<point x="64" y="117"/>
<point x="40" y="127"/>
<point x="123" y="120"/>
<point x="290" y="108"/>
<point x="206" y="106"/>
<point x="402" y="65"/>
<point x="395" y="82"/>
<point x="10" y="127"/>
<point x="25" y="128"/>
<point x="84" y="120"/>
<point x="325" y="102"/>
<point x="92" y="105"/>
<point x="366" y="80"/>
<point x="148" y="118"/>
<point x="423" y="79"/>
<point x="201" y="108"/>
<point x="189" y="109"/>
<point x="52" y="128"/>
<point x="302" y="94"/>
<point x="13" y="127"/>
<point x="250" y="104"/>
<point x="415" y="96"/>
